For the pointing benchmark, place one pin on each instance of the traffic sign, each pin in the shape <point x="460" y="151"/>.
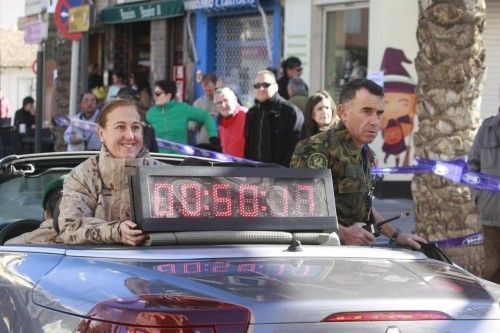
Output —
<point x="61" y="17"/>
<point x="79" y="19"/>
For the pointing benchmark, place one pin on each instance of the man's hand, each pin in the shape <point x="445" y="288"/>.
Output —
<point x="355" y="235"/>
<point x="130" y="235"/>
<point x="410" y="240"/>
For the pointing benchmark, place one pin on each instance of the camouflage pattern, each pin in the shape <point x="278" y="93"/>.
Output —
<point x="96" y="198"/>
<point x="44" y="234"/>
<point x="352" y="183"/>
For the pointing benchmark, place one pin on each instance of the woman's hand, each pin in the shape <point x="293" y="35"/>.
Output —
<point x="130" y="235"/>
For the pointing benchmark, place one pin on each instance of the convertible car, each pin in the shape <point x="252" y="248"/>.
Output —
<point x="231" y="249"/>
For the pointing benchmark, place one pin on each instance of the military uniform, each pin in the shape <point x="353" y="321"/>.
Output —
<point x="351" y="170"/>
<point x="96" y="198"/>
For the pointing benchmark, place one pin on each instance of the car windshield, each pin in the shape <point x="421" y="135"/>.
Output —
<point x="21" y="197"/>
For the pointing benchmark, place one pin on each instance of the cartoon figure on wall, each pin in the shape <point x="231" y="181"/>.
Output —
<point x="400" y="107"/>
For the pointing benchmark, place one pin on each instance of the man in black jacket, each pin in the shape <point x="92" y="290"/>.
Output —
<point x="273" y="125"/>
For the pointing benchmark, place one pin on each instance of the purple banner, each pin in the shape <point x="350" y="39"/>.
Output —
<point x="472" y="239"/>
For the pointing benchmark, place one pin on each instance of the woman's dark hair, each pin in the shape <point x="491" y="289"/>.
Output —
<point x="28" y="100"/>
<point x="168" y="86"/>
<point x="109" y="107"/>
<point x="310" y="126"/>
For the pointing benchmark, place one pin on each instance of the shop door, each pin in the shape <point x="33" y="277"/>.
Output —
<point x="345" y="49"/>
<point x="241" y="52"/>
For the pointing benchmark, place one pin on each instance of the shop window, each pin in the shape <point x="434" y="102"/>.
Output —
<point x="346" y="47"/>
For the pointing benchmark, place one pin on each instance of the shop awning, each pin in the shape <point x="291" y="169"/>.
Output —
<point x="142" y="11"/>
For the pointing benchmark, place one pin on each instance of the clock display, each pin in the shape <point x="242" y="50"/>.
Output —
<point x="217" y="197"/>
<point x="170" y="199"/>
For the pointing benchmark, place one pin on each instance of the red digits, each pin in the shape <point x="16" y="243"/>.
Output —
<point x="305" y="197"/>
<point x="163" y="200"/>
<point x="248" y="199"/>
<point x="221" y="194"/>
<point x="191" y="199"/>
<point x="246" y="267"/>
<point x="280" y="195"/>
<point x="191" y="267"/>
<point x="167" y="268"/>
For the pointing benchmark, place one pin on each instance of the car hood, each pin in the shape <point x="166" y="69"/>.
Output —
<point x="299" y="287"/>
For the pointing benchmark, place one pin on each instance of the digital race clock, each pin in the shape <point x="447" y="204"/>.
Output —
<point x="179" y="198"/>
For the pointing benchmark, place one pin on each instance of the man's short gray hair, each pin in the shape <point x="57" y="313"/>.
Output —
<point x="226" y="91"/>
<point x="297" y="86"/>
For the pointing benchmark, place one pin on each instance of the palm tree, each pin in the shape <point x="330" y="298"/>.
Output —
<point x="63" y="60"/>
<point x="450" y="68"/>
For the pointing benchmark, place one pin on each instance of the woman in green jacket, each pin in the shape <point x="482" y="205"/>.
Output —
<point x="170" y="118"/>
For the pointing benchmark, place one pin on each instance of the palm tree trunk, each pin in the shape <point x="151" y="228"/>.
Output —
<point x="450" y="68"/>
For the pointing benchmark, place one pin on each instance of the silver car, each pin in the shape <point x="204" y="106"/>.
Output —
<point x="209" y="273"/>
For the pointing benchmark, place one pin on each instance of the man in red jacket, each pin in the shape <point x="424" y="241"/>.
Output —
<point x="232" y="122"/>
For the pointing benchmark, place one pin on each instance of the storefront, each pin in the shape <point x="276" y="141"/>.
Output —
<point x="234" y="40"/>
<point x="339" y="40"/>
<point x="144" y="38"/>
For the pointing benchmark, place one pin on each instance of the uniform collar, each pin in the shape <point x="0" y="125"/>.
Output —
<point x="348" y="143"/>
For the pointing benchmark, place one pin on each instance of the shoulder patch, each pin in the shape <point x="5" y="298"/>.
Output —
<point x="317" y="161"/>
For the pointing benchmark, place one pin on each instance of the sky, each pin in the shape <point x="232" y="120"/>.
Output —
<point x="9" y="12"/>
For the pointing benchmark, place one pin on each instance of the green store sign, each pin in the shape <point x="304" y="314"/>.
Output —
<point x="151" y="10"/>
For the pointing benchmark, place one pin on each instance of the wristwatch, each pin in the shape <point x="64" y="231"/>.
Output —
<point x="394" y="236"/>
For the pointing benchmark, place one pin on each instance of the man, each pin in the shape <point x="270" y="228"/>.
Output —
<point x="206" y="103"/>
<point x="298" y="92"/>
<point x="292" y="67"/>
<point x="84" y="139"/>
<point x="273" y="125"/>
<point x="484" y="157"/>
<point x="232" y="122"/>
<point x="24" y="119"/>
<point x="344" y="149"/>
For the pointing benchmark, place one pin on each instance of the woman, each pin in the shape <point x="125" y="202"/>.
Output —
<point x="170" y="118"/>
<point x="95" y="207"/>
<point x="320" y="113"/>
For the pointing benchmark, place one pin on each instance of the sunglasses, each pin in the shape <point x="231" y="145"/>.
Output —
<point x="262" y="85"/>
<point x="158" y="93"/>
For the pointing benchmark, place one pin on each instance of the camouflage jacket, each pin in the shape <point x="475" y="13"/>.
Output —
<point x="352" y="180"/>
<point x="44" y="234"/>
<point x="96" y="198"/>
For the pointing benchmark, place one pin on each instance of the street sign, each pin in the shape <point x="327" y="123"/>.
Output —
<point x="61" y="18"/>
<point x="35" y="32"/>
<point x="79" y="19"/>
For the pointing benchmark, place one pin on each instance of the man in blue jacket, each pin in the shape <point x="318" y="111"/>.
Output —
<point x="84" y="139"/>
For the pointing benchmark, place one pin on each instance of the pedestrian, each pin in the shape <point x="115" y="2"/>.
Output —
<point x="95" y="207"/>
<point x="119" y="81"/>
<point x="80" y="138"/>
<point x="292" y="67"/>
<point x="5" y="112"/>
<point x="170" y="118"/>
<point x="298" y="92"/>
<point x="484" y="157"/>
<point x="232" y="122"/>
<point x="320" y="113"/>
<point x="344" y="150"/>
<point x="273" y="125"/>
<point x="24" y="118"/>
<point x="206" y="103"/>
